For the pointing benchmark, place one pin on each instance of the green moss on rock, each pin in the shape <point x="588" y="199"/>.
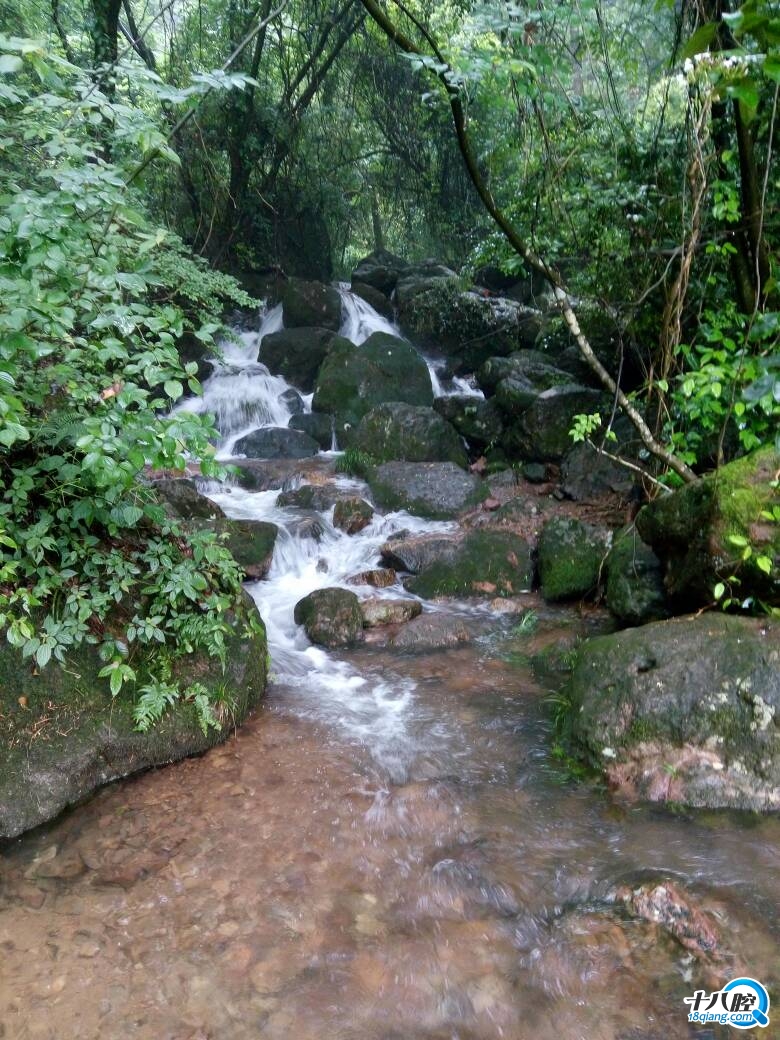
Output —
<point x="690" y="531"/>
<point x="571" y="556"/>
<point x="63" y="735"/>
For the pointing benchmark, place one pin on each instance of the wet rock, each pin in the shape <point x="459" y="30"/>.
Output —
<point x="686" y="710"/>
<point x="487" y="563"/>
<point x="691" y="531"/>
<point x="409" y="433"/>
<point x="89" y="739"/>
<point x="480" y="422"/>
<point x="436" y="490"/>
<point x="311" y="305"/>
<point x="331" y="617"/>
<point x="277" y="442"/>
<point x="571" y="558"/>
<point x="293" y="401"/>
<point x="380" y="578"/>
<point x="375" y="298"/>
<point x="319" y="497"/>
<point x="379" y="270"/>
<point x="62" y="864"/>
<point x="352" y="515"/>
<point x="635" y="590"/>
<point x="181" y="498"/>
<point x="418" y="552"/>
<point x="296" y="354"/>
<point x="431" y="632"/>
<point x="352" y="381"/>
<point x="419" y="278"/>
<point x="315" y="425"/>
<point x="667" y="905"/>
<point x="377" y="612"/>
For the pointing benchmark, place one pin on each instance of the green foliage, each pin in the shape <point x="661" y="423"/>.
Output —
<point x="730" y="378"/>
<point x="93" y="300"/>
<point x="355" y="463"/>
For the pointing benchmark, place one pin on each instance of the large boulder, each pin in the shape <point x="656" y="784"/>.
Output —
<point x="487" y="563"/>
<point x="410" y="433"/>
<point x="701" y="532"/>
<point x="330" y="617"/>
<point x="436" y="490"/>
<point x="296" y="354"/>
<point x="419" y="278"/>
<point x="635" y="590"/>
<point x="467" y="326"/>
<point x="276" y="442"/>
<point x="353" y="380"/>
<point x="686" y="710"/>
<point x="64" y="735"/>
<point x="571" y="557"/>
<point x="541" y="432"/>
<point x="480" y="422"/>
<point x="310" y="304"/>
<point x="380" y="270"/>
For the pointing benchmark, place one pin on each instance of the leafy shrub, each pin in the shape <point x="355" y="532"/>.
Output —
<point x="93" y="300"/>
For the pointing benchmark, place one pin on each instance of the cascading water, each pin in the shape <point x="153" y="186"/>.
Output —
<point x="243" y="395"/>
<point x="371" y="710"/>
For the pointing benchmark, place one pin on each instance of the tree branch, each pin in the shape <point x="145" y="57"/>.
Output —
<point x="521" y="247"/>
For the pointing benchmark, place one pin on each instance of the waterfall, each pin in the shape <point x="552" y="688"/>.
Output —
<point x="244" y="396"/>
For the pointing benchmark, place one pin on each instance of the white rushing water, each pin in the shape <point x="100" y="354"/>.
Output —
<point x="244" y="396"/>
<point x="375" y="711"/>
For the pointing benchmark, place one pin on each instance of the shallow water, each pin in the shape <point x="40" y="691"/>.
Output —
<point x="387" y="850"/>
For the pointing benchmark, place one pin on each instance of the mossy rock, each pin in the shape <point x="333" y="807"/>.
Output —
<point x="686" y="710"/>
<point x="480" y="422"/>
<point x="486" y="563"/>
<point x="571" y="557"/>
<point x="690" y="530"/>
<point x="409" y="433"/>
<point x="353" y="380"/>
<point x="64" y="736"/>
<point x="331" y="617"/>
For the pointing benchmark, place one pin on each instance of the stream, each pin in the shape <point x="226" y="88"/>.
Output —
<point x="387" y="850"/>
